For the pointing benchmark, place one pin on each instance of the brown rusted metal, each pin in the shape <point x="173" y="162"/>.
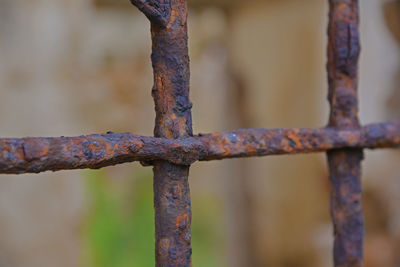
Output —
<point x="173" y="120"/>
<point x="174" y="147"/>
<point x="345" y="164"/>
<point x="264" y="142"/>
<point x="34" y="155"/>
<point x="152" y="10"/>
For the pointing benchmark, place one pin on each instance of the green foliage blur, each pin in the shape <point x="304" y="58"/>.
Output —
<point x="119" y="228"/>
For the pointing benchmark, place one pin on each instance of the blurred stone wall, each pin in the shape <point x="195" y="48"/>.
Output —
<point x="79" y="67"/>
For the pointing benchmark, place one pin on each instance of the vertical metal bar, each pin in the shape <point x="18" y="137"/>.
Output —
<point x="345" y="164"/>
<point x="173" y="120"/>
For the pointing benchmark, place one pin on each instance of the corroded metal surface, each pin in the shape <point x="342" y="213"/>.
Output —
<point x="346" y="208"/>
<point x="151" y="9"/>
<point x="174" y="147"/>
<point x="170" y="61"/>
<point x="345" y="164"/>
<point x="33" y="155"/>
<point x="264" y="142"/>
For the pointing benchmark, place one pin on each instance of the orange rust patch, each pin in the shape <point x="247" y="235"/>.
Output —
<point x="182" y="219"/>
<point x="165" y="243"/>
<point x="352" y="139"/>
<point x="168" y="133"/>
<point x="225" y="146"/>
<point x="159" y="82"/>
<point x="184" y="17"/>
<point x="92" y="146"/>
<point x="108" y="149"/>
<point x="182" y="126"/>
<point x="285" y="145"/>
<point x="251" y="149"/>
<point x="20" y="152"/>
<point x="217" y="134"/>
<point x="44" y="151"/>
<point x="173" y="16"/>
<point x="341" y="7"/>
<point x="295" y="138"/>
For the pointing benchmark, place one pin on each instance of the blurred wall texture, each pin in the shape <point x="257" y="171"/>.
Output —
<point x="78" y="67"/>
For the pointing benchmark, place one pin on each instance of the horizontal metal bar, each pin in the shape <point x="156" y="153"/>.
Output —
<point x="34" y="155"/>
<point x="263" y="142"/>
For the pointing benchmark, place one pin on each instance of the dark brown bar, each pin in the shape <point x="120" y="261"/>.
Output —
<point x="345" y="164"/>
<point x="264" y="142"/>
<point x="173" y="120"/>
<point x="152" y="11"/>
<point x="34" y="155"/>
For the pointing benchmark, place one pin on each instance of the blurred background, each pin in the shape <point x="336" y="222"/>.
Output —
<point x="72" y="67"/>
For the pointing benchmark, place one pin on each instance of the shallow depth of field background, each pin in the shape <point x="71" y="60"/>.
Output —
<point x="72" y="67"/>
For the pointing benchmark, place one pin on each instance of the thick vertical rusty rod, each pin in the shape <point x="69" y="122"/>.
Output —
<point x="173" y="120"/>
<point x="345" y="164"/>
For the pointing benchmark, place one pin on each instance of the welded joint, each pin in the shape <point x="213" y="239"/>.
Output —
<point x="181" y="152"/>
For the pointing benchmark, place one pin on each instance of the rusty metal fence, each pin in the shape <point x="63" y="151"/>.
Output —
<point x="174" y="146"/>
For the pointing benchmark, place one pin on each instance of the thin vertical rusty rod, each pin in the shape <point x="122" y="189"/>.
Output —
<point x="345" y="164"/>
<point x="173" y="120"/>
